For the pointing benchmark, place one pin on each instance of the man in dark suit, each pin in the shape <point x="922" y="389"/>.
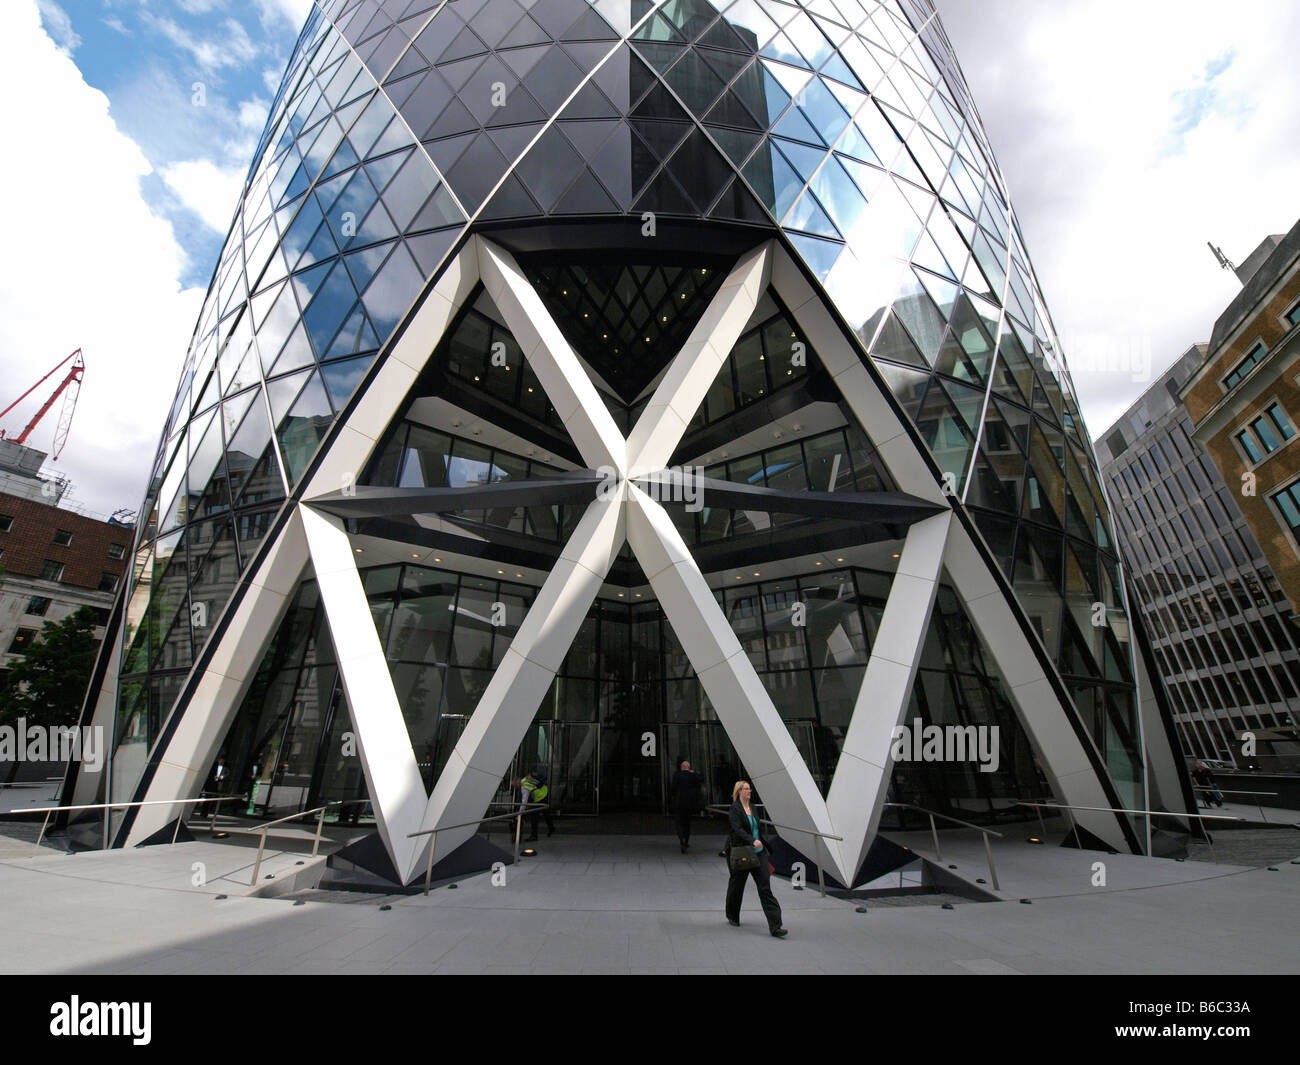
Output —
<point x="685" y="795"/>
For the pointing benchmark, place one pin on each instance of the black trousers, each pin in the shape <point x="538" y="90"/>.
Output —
<point x="684" y="825"/>
<point x="736" y="889"/>
<point x="533" y="818"/>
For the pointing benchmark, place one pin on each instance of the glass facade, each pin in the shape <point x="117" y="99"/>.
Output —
<point x="1217" y="617"/>
<point x="579" y="133"/>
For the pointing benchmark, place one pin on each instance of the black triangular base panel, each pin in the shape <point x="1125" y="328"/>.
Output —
<point x="164" y="836"/>
<point x="1084" y="840"/>
<point x="364" y="865"/>
<point x="884" y="857"/>
<point x="1169" y="844"/>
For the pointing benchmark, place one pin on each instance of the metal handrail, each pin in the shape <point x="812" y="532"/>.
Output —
<point x="47" y="810"/>
<point x="319" y="811"/>
<point x="518" y="815"/>
<point x="934" y="834"/>
<point x="723" y="808"/>
<point x="1146" y="813"/>
<point x="1234" y="791"/>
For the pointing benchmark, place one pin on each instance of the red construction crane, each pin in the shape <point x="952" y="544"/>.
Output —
<point x="70" y="383"/>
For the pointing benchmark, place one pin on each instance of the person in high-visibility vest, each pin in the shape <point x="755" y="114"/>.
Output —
<point x="535" y="790"/>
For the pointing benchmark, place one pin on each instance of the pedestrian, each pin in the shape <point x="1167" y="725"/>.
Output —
<point x="748" y="855"/>
<point x="535" y="790"/>
<point x="1202" y="776"/>
<point x="685" y="795"/>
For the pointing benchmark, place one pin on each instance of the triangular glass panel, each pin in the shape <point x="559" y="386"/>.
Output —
<point x="996" y="479"/>
<point x="589" y="27"/>
<point x="948" y="421"/>
<point x="304" y="427"/>
<point x="664" y="195"/>
<point x="585" y="196"/>
<point x="894" y="343"/>
<point x="428" y="250"/>
<point x="820" y="255"/>
<point x="247" y="444"/>
<point x="297" y="352"/>
<point x="343" y="377"/>
<point x="738" y="144"/>
<point x="907" y="385"/>
<point x="511" y="200"/>
<point x="625" y="321"/>
<point x="774" y="179"/>
<point x="738" y="203"/>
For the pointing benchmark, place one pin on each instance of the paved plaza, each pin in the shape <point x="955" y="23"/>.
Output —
<point x="630" y="904"/>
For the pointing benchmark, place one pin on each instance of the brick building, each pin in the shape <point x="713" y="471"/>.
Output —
<point x="1244" y="401"/>
<point x="53" y="561"/>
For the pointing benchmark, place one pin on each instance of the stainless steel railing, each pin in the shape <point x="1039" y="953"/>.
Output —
<point x="47" y="810"/>
<point x="518" y="815"/>
<point x="319" y="811"/>
<point x="1146" y="813"/>
<point x="934" y="834"/>
<point x="1230" y="791"/>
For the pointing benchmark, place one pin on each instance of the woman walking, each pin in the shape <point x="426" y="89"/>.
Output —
<point x="748" y="854"/>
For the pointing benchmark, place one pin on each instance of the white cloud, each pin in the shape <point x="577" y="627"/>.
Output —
<point x="59" y="26"/>
<point x="207" y="189"/>
<point x="86" y="265"/>
<point x="212" y="54"/>
<point x="252" y="114"/>
<point x="293" y="12"/>
<point x="1128" y="140"/>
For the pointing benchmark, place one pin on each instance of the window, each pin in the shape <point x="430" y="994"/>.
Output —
<point x="116" y="551"/>
<point x="1280" y="421"/>
<point x="6" y="523"/>
<point x="1267" y="433"/>
<point x="23" y="639"/>
<point x="1287" y="502"/>
<point x="62" y="538"/>
<point x="108" y="582"/>
<point x="37" y="605"/>
<point x="1293" y="315"/>
<point x="52" y="571"/>
<point x="1239" y="372"/>
<point x="1249" y="446"/>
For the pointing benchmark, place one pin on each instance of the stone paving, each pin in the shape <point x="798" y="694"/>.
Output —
<point x="634" y="904"/>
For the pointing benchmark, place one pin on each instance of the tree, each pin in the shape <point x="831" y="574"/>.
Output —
<point x="49" y="685"/>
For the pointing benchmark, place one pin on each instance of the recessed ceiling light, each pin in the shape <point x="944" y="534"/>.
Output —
<point x="414" y="555"/>
<point x="756" y="574"/>
<point x="895" y="556"/>
<point x="739" y="577"/>
<point x="502" y="572"/>
<point x="518" y="574"/>
<point x="816" y="563"/>
<point x="360" y="550"/>
<point x="638" y="595"/>
<point x="437" y="560"/>
<point x="839" y="560"/>
<point x="620" y="595"/>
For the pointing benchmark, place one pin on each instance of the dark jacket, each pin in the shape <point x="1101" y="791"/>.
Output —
<point x="740" y="835"/>
<point x="686" y="791"/>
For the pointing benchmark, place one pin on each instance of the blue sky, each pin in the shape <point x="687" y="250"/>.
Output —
<point x="190" y="81"/>
<point x="1129" y="134"/>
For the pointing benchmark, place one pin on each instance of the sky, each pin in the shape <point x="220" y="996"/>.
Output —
<point x="1130" y="133"/>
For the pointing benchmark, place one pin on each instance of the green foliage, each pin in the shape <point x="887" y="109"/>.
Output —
<point x="48" y="686"/>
